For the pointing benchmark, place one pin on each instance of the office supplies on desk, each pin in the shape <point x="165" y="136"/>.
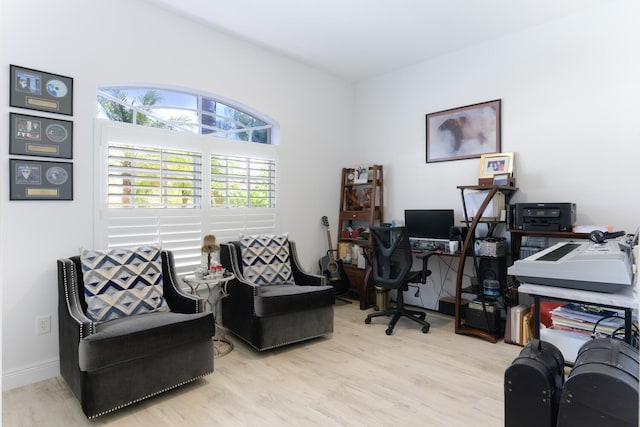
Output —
<point x="601" y="267"/>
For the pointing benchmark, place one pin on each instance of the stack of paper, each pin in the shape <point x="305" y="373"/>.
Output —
<point x="494" y="211"/>
<point x="584" y="319"/>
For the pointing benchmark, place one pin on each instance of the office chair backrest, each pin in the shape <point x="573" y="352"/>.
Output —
<point x="391" y="255"/>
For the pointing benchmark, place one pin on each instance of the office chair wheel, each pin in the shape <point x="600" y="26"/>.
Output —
<point x="388" y="331"/>
<point x="367" y="320"/>
<point x="425" y="329"/>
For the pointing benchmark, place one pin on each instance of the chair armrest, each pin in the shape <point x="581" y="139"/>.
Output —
<point x="238" y="306"/>
<point x="178" y="300"/>
<point x="424" y="256"/>
<point x="70" y="311"/>
<point x="300" y="276"/>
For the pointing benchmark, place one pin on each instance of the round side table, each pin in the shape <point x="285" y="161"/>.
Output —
<point x="216" y="290"/>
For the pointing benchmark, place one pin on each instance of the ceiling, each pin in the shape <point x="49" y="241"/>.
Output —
<point x="357" y="39"/>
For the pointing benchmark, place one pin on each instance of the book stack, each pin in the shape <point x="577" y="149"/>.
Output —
<point x="518" y="330"/>
<point x="574" y="324"/>
<point x="585" y="319"/>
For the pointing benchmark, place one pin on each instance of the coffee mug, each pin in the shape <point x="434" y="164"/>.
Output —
<point x="453" y="246"/>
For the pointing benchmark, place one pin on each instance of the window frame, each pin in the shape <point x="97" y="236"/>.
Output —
<point x="199" y="127"/>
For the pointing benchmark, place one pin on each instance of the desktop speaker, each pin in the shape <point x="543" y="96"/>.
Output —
<point x="493" y="269"/>
<point x="458" y="233"/>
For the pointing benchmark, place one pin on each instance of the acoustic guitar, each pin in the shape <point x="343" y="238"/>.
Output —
<point x="333" y="268"/>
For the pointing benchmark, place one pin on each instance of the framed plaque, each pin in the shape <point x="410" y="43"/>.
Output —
<point x="40" y="136"/>
<point x="40" y="180"/>
<point x="37" y="90"/>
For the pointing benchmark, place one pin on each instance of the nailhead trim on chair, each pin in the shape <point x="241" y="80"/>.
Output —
<point x="289" y="342"/>
<point x="147" y="396"/>
<point x="238" y="273"/>
<point x="165" y="258"/>
<point x="82" y="322"/>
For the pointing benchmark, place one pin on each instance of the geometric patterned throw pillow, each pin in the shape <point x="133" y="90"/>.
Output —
<point x="122" y="282"/>
<point x="266" y="259"/>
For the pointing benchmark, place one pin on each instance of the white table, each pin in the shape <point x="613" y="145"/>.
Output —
<point x="216" y="290"/>
<point x="626" y="299"/>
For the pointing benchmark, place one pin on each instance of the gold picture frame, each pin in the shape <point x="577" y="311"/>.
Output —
<point x="494" y="164"/>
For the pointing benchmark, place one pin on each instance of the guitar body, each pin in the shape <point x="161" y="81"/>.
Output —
<point x="335" y="274"/>
<point x="333" y="269"/>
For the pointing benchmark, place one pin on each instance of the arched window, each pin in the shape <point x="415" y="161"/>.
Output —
<point x="182" y="111"/>
<point x="181" y="165"/>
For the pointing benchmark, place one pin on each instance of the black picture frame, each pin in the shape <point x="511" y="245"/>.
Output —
<point x="40" y="180"/>
<point x="464" y="132"/>
<point x="38" y="90"/>
<point x="40" y="136"/>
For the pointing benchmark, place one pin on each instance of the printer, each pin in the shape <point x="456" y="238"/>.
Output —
<point x="543" y="216"/>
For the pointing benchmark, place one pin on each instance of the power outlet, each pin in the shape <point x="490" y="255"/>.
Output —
<point x="43" y="325"/>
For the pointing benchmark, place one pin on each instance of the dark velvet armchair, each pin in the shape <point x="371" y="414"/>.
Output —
<point x="273" y="315"/>
<point x="114" y="363"/>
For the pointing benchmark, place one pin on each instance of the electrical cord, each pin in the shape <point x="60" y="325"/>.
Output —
<point x="634" y="334"/>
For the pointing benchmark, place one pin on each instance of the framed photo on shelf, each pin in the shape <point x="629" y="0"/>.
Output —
<point x="463" y="132"/>
<point x="502" y="179"/>
<point x="361" y="174"/>
<point x="40" y="180"/>
<point x="495" y="164"/>
<point x="37" y="90"/>
<point x="40" y="136"/>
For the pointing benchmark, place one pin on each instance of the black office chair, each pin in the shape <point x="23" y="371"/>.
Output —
<point x="391" y="260"/>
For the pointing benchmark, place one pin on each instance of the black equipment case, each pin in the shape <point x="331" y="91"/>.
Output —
<point x="602" y="388"/>
<point x="533" y="385"/>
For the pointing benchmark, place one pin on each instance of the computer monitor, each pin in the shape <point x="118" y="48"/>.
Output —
<point x="428" y="223"/>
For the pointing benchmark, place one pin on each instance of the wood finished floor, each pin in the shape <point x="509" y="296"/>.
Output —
<point x="358" y="376"/>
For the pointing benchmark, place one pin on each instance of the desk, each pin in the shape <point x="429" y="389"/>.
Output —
<point x="221" y="345"/>
<point x="626" y="299"/>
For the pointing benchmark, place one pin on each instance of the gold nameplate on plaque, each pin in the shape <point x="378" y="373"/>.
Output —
<point x="34" y="148"/>
<point x="42" y="103"/>
<point x="42" y="192"/>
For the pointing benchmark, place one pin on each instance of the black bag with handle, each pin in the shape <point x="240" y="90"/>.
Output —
<point x="533" y="386"/>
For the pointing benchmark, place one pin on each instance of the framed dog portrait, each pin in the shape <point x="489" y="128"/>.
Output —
<point x="464" y="132"/>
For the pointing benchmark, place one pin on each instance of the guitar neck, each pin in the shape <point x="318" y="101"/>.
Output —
<point x="331" y="257"/>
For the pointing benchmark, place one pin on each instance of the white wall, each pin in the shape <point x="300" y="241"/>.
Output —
<point x="122" y="41"/>
<point x="570" y="102"/>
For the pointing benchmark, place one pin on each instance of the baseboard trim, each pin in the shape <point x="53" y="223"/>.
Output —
<point x="30" y="374"/>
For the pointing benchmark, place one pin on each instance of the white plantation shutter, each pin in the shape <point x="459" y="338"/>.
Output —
<point x="173" y="229"/>
<point x="242" y="181"/>
<point x="155" y="190"/>
<point x="146" y="177"/>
